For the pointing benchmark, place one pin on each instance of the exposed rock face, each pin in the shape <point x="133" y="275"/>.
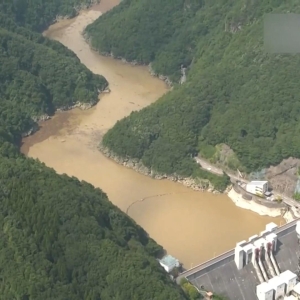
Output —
<point x="41" y="118"/>
<point x="197" y="185"/>
<point x="80" y="105"/>
<point x="106" y="91"/>
<point x="283" y="177"/>
<point x="166" y="79"/>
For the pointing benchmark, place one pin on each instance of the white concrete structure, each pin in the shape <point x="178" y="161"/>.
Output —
<point x="272" y="238"/>
<point x="291" y="297"/>
<point x="244" y="251"/>
<point x="278" y="285"/>
<point x="296" y="290"/>
<point x="242" y="243"/>
<point x="290" y="280"/>
<point x="253" y="237"/>
<point x="260" y="243"/>
<point x="257" y="187"/>
<point x="264" y="292"/>
<point x="169" y="262"/>
<point x="271" y="226"/>
<point x="248" y="251"/>
<point x="264" y="232"/>
<point x="298" y="229"/>
<point x="239" y="257"/>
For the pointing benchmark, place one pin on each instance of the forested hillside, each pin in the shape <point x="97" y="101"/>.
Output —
<point x="60" y="238"/>
<point x="39" y="14"/>
<point x="63" y="239"/>
<point x="235" y="93"/>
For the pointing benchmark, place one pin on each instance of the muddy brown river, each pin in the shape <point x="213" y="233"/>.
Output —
<point x="192" y="226"/>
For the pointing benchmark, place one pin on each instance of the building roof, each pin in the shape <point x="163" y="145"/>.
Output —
<point x="271" y="236"/>
<point x="248" y="247"/>
<point x="276" y="281"/>
<point x="260" y="242"/>
<point x="169" y="261"/>
<point x="257" y="182"/>
<point x="264" y="287"/>
<point x="288" y="275"/>
<point x="271" y="226"/>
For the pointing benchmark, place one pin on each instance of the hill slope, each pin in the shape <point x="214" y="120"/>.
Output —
<point x="61" y="238"/>
<point x="235" y="92"/>
<point x="39" y="14"/>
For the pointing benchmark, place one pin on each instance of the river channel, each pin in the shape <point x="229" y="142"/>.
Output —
<point x="192" y="226"/>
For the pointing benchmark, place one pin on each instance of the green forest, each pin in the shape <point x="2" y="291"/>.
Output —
<point x="39" y="14"/>
<point x="61" y="238"/>
<point x="235" y="94"/>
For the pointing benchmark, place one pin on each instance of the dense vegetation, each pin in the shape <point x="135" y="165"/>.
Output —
<point x="235" y="93"/>
<point x="194" y="294"/>
<point x="60" y="238"/>
<point x="38" y="76"/>
<point x="63" y="239"/>
<point x="39" y="14"/>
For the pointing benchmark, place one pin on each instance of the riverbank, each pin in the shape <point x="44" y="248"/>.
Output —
<point x="68" y="143"/>
<point x="203" y="186"/>
<point x="262" y="210"/>
<point x="136" y="165"/>
<point x="44" y="117"/>
<point x="164" y="78"/>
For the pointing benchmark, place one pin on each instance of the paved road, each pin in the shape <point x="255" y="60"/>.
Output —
<point x="211" y="168"/>
<point x="295" y="205"/>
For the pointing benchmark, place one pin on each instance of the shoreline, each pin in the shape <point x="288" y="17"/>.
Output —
<point x="197" y="185"/>
<point x="164" y="78"/>
<point x="68" y="144"/>
<point x="189" y="182"/>
<point x="262" y="210"/>
<point x="45" y="117"/>
<point x="202" y="186"/>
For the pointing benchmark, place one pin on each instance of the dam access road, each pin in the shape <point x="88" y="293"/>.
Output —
<point x="68" y="143"/>
<point x="290" y="202"/>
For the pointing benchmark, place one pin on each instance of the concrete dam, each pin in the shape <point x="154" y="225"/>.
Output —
<point x="265" y="267"/>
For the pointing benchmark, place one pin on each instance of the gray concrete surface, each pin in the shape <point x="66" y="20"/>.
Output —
<point x="241" y="285"/>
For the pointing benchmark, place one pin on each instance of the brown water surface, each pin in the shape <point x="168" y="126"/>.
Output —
<point x="192" y="226"/>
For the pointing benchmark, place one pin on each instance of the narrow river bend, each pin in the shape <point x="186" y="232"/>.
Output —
<point x="192" y="226"/>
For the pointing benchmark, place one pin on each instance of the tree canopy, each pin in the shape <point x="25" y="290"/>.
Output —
<point x="39" y="14"/>
<point x="236" y="93"/>
<point x="60" y="238"/>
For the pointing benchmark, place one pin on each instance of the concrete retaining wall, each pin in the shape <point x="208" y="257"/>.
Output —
<point x="270" y="204"/>
<point x="261" y="201"/>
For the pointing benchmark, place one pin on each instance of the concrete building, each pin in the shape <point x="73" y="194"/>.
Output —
<point x="275" y="288"/>
<point x="258" y="188"/>
<point x="169" y="262"/>
<point x="264" y="292"/>
<point x="290" y="280"/>
<point x="278" y="285"/>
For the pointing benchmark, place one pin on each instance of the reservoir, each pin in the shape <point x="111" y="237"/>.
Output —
<point x="192" y="226"/>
